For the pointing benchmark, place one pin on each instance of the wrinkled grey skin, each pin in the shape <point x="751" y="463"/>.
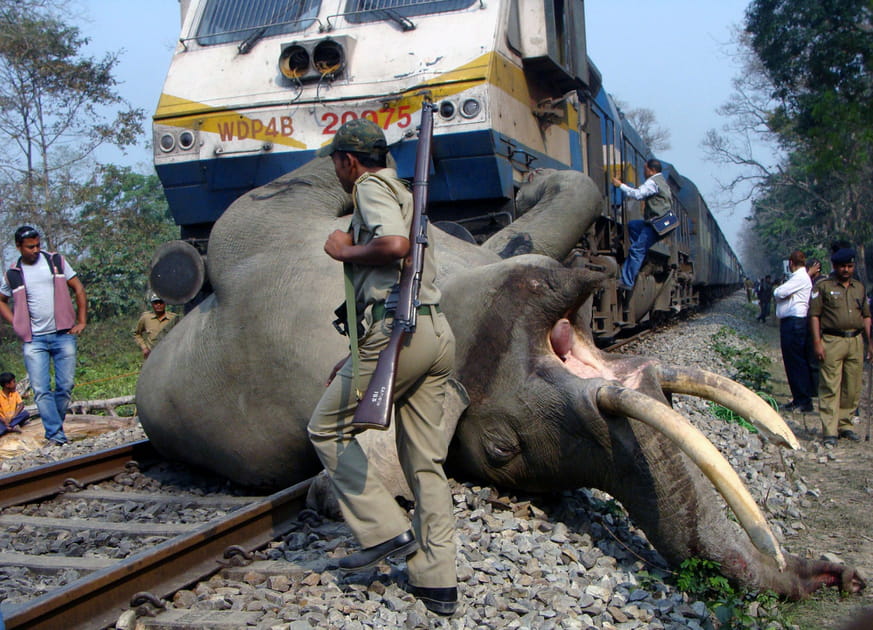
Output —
<point x="232" y="386"/>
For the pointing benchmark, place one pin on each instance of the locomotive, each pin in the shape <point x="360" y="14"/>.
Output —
<point x="255" y="87"/>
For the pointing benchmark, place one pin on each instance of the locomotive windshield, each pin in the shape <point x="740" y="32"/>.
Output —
<point x="374" y="10"/>
<point x="225" y="21"/>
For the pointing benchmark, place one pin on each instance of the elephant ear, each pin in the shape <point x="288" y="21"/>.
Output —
<point x="556" y="208"/>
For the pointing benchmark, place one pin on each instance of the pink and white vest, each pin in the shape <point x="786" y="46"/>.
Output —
<point x="65" y="316"/>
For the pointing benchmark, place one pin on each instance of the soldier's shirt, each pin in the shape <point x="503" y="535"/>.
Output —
<point x="383" y="207"/>
<point x="149" y="328"/>
<point x="840" y="307"/>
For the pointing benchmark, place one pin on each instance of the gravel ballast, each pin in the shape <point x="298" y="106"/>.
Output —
<point x="573" y="560"/>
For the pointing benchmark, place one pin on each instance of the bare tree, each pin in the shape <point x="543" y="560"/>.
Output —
<point x="756" y="261"/>
<point x="747" y="138"/>
<point x="56" y="107"/>
<point x="644" y="121"/>
<point x="803" y="191"/>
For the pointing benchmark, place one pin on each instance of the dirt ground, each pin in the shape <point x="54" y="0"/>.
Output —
<point x="840" y="522"/>
<point x="76" y="426"/>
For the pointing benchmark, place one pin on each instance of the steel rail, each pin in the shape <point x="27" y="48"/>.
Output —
<point x="627" y="340"/>
<point x="47" y="480"/>
<point x="97" y="600"/>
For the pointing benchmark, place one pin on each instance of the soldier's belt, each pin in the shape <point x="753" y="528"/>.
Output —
<point x="380" y="312"/>
<point x="840" y="333"/>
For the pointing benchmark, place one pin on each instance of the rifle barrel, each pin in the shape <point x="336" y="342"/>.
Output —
<point x="374" y="409"/>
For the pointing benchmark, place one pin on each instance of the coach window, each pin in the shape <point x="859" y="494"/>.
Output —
<point x="379" y="10"/>
<point x="225" y="21"/>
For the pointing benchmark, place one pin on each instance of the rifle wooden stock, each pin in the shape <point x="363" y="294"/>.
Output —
<point x="374" y="409"/>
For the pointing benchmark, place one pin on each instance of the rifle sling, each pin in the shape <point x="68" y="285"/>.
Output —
<point x="380" y="312"/>
<point x="352" y="319"/>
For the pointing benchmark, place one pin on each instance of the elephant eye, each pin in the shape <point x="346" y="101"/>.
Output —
<point x="500" y="451"/>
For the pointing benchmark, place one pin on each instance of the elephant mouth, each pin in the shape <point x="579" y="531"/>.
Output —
<point x="619" y="396"/>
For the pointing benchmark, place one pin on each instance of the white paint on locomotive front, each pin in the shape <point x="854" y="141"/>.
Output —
<point x="239" y="104"/>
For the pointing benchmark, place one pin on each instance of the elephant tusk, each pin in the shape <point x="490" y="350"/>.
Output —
<point x="630" y="403"/>
<point x="727" y="393"/>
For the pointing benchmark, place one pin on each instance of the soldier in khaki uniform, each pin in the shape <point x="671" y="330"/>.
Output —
<point x="151" y="327"/>
<point x="840" y="325"/>
<point x="374" y="246"/>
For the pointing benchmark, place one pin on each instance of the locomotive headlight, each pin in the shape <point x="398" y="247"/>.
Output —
<point x="186" y="140"/>
<point x="447" y="109"/>
<point x="328" y="57"/>
<point x="167" y="142"/>
<point x="294" y="62"/>
<point x="470" y="108"/>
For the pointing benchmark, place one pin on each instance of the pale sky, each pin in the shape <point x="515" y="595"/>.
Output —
<point x="673" y="56"/>
<point x="670" y="56"/>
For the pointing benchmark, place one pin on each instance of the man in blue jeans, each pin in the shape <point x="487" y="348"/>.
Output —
<point x="657" y="199"/>
<point x="42" y="315"/>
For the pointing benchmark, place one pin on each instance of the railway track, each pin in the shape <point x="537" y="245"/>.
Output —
<point x="135" y="548"/>
<point x="89" y="587"/>
<point x="294" y="579"/>
<point x="626" y="340"/>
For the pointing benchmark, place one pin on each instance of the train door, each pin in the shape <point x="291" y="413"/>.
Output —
<point x="595" y="157"/>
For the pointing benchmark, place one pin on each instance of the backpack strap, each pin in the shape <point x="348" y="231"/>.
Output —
<point x="55" y="262"/>
<point x="14" y="276"/>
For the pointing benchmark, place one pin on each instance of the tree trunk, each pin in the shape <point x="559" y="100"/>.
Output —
<point x="82" y="407"/>
<point x="861" y="265"/>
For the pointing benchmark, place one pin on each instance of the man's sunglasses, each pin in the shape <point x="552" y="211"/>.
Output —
<point x="29" y="234"/>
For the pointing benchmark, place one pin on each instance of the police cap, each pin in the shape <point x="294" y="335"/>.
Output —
<point x="843" y="256"/>
<point x="357" y="136"/>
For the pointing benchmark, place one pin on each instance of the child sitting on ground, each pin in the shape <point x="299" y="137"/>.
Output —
<point x="12" y="413"/>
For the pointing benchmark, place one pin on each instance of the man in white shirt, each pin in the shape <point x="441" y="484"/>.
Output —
<point x="792" y="306"/>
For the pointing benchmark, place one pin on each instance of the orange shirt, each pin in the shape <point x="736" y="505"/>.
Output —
<point x="8" y="403"/>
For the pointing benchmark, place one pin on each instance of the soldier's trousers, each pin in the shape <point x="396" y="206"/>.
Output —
<point x="840" y="382"/>
<point x="423" y="372"/>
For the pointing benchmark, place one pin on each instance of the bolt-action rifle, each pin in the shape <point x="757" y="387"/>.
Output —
<point x="374" y="410"/>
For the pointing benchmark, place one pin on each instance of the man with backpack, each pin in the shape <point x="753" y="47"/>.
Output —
<point x="42" y="315"/>
<point x="657" y="201"/>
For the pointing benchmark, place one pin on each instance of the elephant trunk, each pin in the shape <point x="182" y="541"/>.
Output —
<point x="632" y="404"/>
<point x="555" y="208"/>
<point x="681" y="513"/>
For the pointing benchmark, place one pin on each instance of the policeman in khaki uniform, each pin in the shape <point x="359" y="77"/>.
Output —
<point x="840" y="325"/>
<point x="372" y="250"/>
<point x="151" y="327"/>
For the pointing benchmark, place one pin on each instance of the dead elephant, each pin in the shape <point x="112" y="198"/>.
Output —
<point x="233" y="385"/>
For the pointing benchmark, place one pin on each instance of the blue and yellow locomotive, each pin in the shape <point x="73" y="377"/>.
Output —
<point x="255" y="87"/>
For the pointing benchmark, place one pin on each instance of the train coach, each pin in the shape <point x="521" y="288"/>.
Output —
<point x="255" y="87"/>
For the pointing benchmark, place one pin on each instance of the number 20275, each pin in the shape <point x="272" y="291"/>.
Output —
<point x="383" y="117"/>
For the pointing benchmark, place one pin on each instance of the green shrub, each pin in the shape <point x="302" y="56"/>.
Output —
<point x="752" y="366"/>
<point x="727" y="415"/>
<point x="703" y="580"/>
